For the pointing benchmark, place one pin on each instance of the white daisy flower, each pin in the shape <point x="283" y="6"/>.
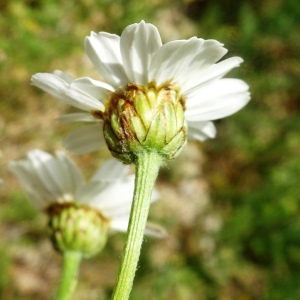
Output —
<point x="137" y="60"/>
<point x="53" y="183"/>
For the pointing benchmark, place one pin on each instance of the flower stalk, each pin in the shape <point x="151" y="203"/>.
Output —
<point x="147" y="167"/>
<point x="68" y="282"/>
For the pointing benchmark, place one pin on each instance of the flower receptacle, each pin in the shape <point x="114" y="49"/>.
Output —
<point x="148" y="118"/>
<point x="75" y="227"/>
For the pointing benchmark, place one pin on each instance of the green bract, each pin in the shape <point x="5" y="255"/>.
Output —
<point x="139" y="118"/>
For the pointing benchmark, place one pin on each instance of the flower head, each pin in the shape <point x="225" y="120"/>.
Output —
<point x="155" y="96"/>
<point x="80" y="213"/>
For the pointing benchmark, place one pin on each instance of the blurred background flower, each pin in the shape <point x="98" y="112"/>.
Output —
<point x="231" y="205"/>
<point x="55" y="185"/>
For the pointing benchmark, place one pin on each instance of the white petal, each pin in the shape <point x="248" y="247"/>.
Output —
<point x="51" y="173"/>
<point x="77" y="117"/>
<point x="86" y="193"/>
<point x="31" y="183"/>
<point x="155" y="230"/>
<point x="103" y="49"/>
<point x="72" y="175"/>
<point x="85" y="139"/>
<point x="71" y="93"/>
<point x="160" y="68"/>
<point x="155" y="195"/>
<point x="138" y="44"/>
<point x="120" y="224"/>
<point x="201" y="130"/>
<point x="46" y="178"/>
<point x="210" y="74"/>
<point x="97" y="89"/>
<point x="209" y="53"/>
<point x="67" y="78"/>
<point x="115" y="199"/>
<point x="182" y="60"/>
<point x="111" y="170"/>
<point x="179" y="66"/>
<point x="217" y="100"/>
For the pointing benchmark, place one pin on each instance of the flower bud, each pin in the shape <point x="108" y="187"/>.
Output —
<point x="77" y="228"/>
<point x="139" y="118"/>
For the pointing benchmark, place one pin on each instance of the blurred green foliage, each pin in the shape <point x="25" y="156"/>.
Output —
<point x="253" y="166"/>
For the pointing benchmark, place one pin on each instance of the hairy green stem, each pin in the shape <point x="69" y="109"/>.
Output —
<point x="147" y="167"/>
<point x="71" y="262"/>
